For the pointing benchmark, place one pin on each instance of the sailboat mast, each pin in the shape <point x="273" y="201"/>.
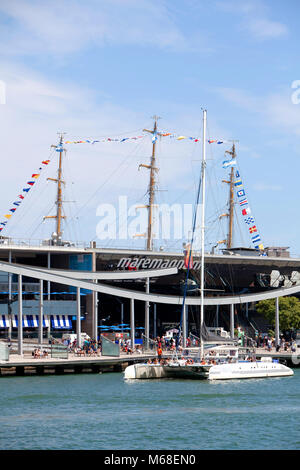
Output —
<point x="152" y="189"/>
<point x="230" y="215"/>
<point x="59" y="191"/>
<point x="152" y="182"/>
<point x="231" y="204"/>
<point x="202" y="281"/>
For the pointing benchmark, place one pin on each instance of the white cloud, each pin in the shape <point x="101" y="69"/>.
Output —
<point x="275" y="110"/>
<point x="262" y="28"/>
<point x="66" y="26"/>
<point x="267" y="187"/>
<point x="254" y="18"/>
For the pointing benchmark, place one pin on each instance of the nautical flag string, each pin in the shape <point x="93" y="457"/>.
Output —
<point x="25" y="191"/>
<point x="249" y="219"/>
<point x="154" y="138"/>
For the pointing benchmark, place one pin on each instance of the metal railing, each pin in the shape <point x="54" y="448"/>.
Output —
<point x="4" y="352"/>
<point x="109" y="348"/>
<point x="59" y="351"/>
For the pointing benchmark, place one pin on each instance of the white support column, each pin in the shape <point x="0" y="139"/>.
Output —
<point x="94" y="302"/>
<point x="78" y="320"/>
<point x="232" y="320"/>
<point x="132" y="324"/>
<point x="187" y="320"/>
<point x="95" y="313"/>
<point x="154" y="321"/>
<point x="147" y="323"/>
<point x="9" y="298"/>
<point x="217" y="316"/>
<point x="41" y="311"/>
<point x="49" y="266"/>
<point x="277" y="326"/>
<point x="184" y="326"/>
<point x="95" y="323"/>
<point x="122" y="316"/>
<point x="20" y="317"/>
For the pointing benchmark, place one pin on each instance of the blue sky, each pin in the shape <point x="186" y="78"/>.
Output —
<point x="102" y="68"/>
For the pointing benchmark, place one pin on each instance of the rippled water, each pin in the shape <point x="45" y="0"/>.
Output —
<point x="101" y="411"/>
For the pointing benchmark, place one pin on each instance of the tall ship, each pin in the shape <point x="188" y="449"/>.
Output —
<point x="231" y="271"/>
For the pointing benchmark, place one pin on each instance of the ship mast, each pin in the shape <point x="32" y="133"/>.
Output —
<point x="57" y="236"/>
<point x="153" y="169"/>
<point x="230" y="215"/>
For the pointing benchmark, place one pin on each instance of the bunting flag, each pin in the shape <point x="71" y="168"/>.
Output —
<point x="154" y="138"/>
<point x="218" y="142"/>
<point x="229" y="163"/>
<point x="105" y="139"/>
<point x="123" y="139"/>
<point x="20" y="197"/>
<point x="246" y="211"/>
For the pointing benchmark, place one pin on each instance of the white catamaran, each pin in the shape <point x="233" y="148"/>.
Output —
<point x="218" y="363"/>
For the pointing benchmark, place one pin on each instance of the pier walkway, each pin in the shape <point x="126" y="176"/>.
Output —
<point x="27" y="365"/>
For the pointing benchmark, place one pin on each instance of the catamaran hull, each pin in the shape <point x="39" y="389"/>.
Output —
<point x="187" y="372"/>
<point x="240" y="370"/>
<point x="248" y="370"/>
<point x="157" y="371"/>
<point x="145" y="371"/>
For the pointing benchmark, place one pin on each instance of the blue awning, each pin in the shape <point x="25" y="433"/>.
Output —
<point x="61" y="322"/>
<point x="29" y="321"/>
<point x="4" y="321"/>
<point x="35" y="321"/>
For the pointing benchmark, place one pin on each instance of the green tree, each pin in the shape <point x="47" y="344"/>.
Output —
<point x="289" y="312"/>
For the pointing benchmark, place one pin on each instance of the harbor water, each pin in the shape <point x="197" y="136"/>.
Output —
<point x="102" y="411"/>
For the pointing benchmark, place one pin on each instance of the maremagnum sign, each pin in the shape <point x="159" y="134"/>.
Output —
<point x="154" y="263"/>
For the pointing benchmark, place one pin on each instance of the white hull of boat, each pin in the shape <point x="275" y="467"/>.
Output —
<point x="145" y="371"/>
<point x="229" y="371"/>
<point x="248" y="370"/>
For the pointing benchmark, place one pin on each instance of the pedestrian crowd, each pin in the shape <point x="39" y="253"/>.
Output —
<point x="269" y="342"/>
